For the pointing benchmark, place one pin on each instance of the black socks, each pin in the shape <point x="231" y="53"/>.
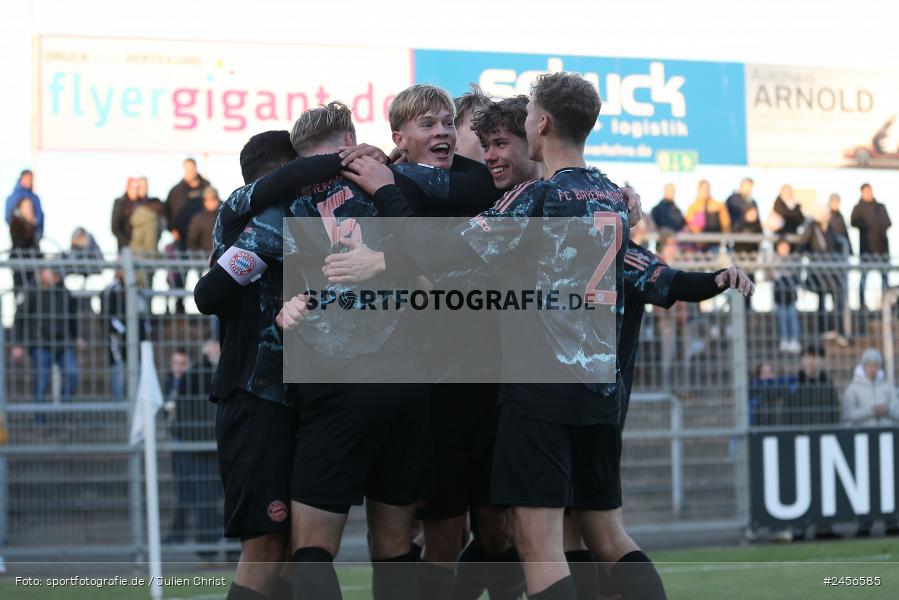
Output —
<point x="583" y="571"/>
<point x="314" y="577"/>
<point x="635" y="578"/>
<point x="560" y="590"/>
<point x="395" y="578"/>
<point x="435" y="582"/>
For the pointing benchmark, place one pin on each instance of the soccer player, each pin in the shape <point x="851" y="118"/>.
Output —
<point x="540" y="425"/>
<point x="500" y="128"/>
<point x="354" y="441"/>
<point x="255" y="420"/>
<point x="423" y="119"/>
<point x="467" y="106"/>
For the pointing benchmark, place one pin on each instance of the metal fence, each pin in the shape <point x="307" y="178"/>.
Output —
<point x="71" y="485"/>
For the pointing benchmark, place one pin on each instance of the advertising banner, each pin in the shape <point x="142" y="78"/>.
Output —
<point x="202" y="96"/>
<point x="650" y="107"/>
<point x="820" y="117"/>
<point x="806" y="477"/>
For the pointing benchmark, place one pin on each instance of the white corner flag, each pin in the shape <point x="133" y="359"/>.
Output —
<point x="143" y="428"/>
<point x="148" y="393"/>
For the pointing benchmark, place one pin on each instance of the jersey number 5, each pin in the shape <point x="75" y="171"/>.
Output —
<point x="594" y="295"/>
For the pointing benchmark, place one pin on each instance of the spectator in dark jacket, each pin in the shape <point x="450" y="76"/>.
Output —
<point x="872" y="220"/>
<point x="183" y="202"/>
<point x="786" y="283"/>
<point x="25" y="240"/>
<point x="740" y="201"/>
<point x="789" y="212"/>
<point x="748" y="223"/>
<point x="816" y="401"/>
<point x="192" y="419"/>
<point x="841" y="232"/>
<point x="823" y="246"/>
<point x="24" y="188"/>
<point x="769" y="397"/>
<point x="179" y="200"/>
<point x="48" y="321"/>
<point x="122" y="209"/>
<point x="199" y="234"/>
<point x="838" y="223"/>
<point x="666" y="214"/>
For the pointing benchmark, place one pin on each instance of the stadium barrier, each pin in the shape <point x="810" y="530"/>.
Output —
<point x="71" y="485"/>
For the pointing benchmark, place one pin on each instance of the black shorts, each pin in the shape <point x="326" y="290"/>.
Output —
<point x="482" y="419"/>
<point x="543" y="464"/>
<point x="462" y="428"/>
<point x="255" y="440"/>
<point x="358" y="441"/>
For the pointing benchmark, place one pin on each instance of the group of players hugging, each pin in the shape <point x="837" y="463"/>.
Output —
<point x="509" y="485"/>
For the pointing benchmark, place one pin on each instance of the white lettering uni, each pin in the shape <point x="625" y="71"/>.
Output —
<point x="621" y="92"/>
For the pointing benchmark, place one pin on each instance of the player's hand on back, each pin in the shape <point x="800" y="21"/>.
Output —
<point x="292" y="313"/>
<point x="634" y="206"/>
<point x="359" y="264"/>
<point x="350" y="153"/>
<point x="369" y="174"/>
<point x="736" y="279"/>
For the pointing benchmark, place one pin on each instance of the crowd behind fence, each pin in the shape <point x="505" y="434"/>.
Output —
<point x="706" y="374"/>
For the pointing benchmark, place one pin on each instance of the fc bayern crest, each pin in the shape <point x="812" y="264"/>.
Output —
<point x="242" y="263"/>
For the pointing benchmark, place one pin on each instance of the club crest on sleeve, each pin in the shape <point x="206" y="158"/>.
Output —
<point x="242" y="263"/>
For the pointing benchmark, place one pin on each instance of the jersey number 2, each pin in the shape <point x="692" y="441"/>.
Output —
<point x="594" y="295"/>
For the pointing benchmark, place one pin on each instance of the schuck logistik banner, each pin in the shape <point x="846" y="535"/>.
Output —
<point x="202" y="96"/>
<point x="648" y="105"/>
<point x="819" y="117"/>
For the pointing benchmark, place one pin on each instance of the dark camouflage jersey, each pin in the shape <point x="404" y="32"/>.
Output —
<point x="646" y="277"/>
<point x="433" y="181"/>
<point x="331" y="337"/>
<point x="585" y="210"/>
<point x="260" y="234"/>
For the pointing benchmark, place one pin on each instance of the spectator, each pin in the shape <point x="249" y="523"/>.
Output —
<point x="122" y="209"/>
<point x="115" y="324"/>
<point x="816" y="401"/>
<point x="740" y="201"/>
<point x="786" y="283"/>
<point x="872" y="220"/>
<point x="180" y="200"/>
<point x="666" y="214"/>
<point x="707" y="215"/>
<point x="838" y="224"/>
<point x="787" y="215"/>
<point x="199" y="234"/>
<point x="749" y="222"/>
<point x="84" y="247"/>
<point x="822" y="244"/>
<point x="25" y="240"/>
<point x="48" y="320"/>
<point x="154" y="203"/>
<point x="768" y="396"/>
<point x="870" y="401"/>
<point x="24" y="188"/>
<point x="841" y="232"/>
<point x="183" y="202"/>
<point x="192" y="418"/>
<point x="144" y="226"/>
